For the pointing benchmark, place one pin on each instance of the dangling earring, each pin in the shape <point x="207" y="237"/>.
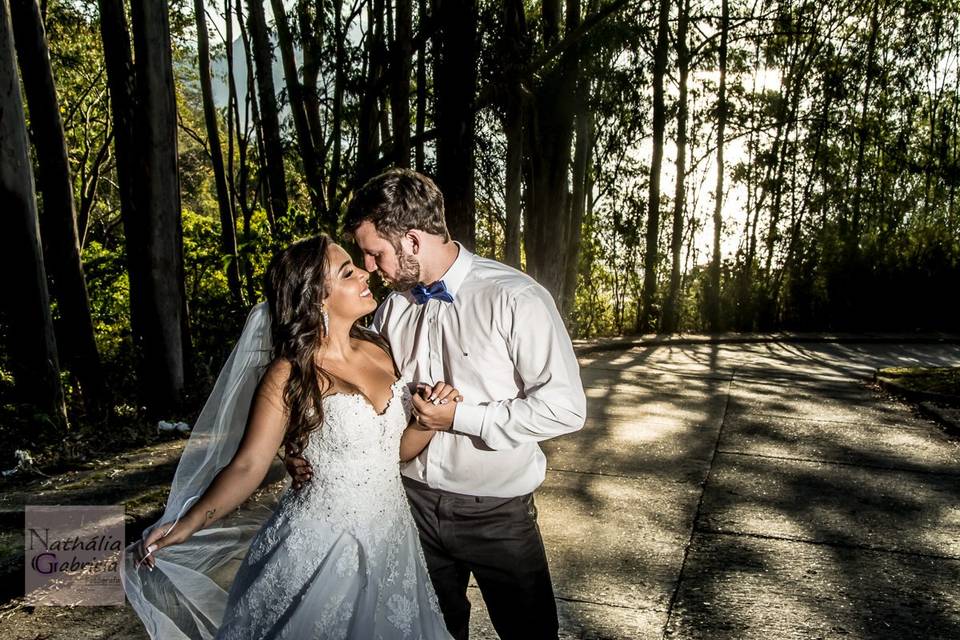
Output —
<point x="326" y="321"/>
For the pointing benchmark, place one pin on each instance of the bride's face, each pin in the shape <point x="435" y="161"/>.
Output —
<point x="348" y="296"/>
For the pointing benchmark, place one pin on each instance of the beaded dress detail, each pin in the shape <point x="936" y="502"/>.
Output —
<point x="341" y="557"/>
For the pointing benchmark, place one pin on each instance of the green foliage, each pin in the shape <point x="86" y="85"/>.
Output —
<point x="841" y="210"/>
<point x="107" y="281"/>
<point x="941" y="380"/>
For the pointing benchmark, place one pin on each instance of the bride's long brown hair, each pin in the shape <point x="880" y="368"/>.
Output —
<point x="295" y="286"/>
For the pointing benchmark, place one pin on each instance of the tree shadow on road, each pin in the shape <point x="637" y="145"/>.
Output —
<point x="854" y="537"/>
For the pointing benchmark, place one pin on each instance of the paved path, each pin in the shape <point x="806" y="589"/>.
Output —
<point x="753" y="491"/>
<point x="730" y="491"/>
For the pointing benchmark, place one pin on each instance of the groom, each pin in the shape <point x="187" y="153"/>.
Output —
<point x="495" y="334"/>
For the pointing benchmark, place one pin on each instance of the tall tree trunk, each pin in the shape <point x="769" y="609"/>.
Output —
<point x="786" y="121"/>
<point x="713" y="311"/>
<point x="166" y="343"/>
<point x="455" y="86"/>
<point x="933" y="111"/>
<point x="581" y="179"/>
<point x="771" y="182"/>
<point x="421" y="86"/>
<point x="308" y="154"/>
<point x="89" y="183"/>
<point x="651" y="258"/>
<point x="743" y="318"/>
<point x="595" y="308"/>
<point x="233" y="118"/>
<point x="310" y="20"/>
<point x="818" y="132"/>
<point x="339" y="85"/>
<point x="670" y="319"/>
<point x="121" y="81"/>
<point x="228" y="232"/>
<point x="269" y="118"/>
<point x="514" y="52"/>
<point x="250" y="112"/>
<point x="514" y="183"/>
<point x="400" y="63"/>
<point x="550" y="127"/>
<point x="31" y="344"/>
<point x="384" y="112"/>
<point x="581" y="168"/>
<point x="368" y="145"/>
<point x="853" y="233"/>
<point x="58" y="223"/>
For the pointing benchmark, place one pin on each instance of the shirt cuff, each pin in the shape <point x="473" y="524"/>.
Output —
<point x="468" y="418"/>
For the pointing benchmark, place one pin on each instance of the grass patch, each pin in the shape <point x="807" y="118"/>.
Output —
<point x="942" y="380"/>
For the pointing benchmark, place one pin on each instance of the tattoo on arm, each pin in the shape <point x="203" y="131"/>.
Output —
<point x="210" y="513"/>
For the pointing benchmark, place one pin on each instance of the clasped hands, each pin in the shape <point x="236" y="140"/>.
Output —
<point x="434" y="407"/>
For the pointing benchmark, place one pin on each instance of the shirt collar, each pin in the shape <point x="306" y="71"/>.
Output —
<point x="458" y="271"/>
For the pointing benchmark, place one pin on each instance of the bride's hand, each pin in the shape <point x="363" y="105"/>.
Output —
<point x="440" y="393"/>
<point x="298" y="468"/>
<point x="163" y="535"/>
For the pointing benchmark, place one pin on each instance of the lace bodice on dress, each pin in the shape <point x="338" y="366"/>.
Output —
<point x="351" y="538"/>
<point x="355" y="457"/>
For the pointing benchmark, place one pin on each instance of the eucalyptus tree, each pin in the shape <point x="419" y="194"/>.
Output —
<point x="31" y="344"/>
<point x="58" y="219"/>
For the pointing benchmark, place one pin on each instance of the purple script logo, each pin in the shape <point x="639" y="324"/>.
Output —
<point x="72" y="555"/>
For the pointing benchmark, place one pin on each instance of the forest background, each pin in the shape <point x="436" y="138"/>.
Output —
<point x="659" y="165"/>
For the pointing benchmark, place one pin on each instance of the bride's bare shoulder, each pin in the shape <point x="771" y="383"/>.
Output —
<point x="277" y="371"/>
<point x="274" y="380"/>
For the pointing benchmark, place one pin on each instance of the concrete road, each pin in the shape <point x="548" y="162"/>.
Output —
<point x="753" y="491"/>
<point x="729" y="491"/>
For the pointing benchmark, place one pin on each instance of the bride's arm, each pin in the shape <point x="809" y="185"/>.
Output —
<point x="414" y="440"/>
<point x="235" y="483"/>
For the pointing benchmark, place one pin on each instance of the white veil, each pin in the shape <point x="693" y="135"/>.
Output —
<point x="184" y="597"/>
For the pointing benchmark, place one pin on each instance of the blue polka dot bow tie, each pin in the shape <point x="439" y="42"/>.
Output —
<point x="437" y="291"/>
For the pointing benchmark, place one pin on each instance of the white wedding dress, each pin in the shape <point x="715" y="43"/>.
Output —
<point x="341" y="557"/>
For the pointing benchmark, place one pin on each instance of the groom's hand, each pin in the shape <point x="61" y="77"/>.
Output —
<point x="435" y="406"/>
<point x="298" y="468"/>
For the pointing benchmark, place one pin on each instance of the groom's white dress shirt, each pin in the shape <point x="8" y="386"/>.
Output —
<point x="503" y="345"/>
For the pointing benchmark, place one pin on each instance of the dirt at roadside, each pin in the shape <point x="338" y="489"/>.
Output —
<point x="140" y="480"/>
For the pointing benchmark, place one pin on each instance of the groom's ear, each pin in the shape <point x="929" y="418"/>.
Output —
<point x="413" y="237"/>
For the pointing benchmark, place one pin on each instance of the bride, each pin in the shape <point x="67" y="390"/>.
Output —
<point x="341" y="557"/>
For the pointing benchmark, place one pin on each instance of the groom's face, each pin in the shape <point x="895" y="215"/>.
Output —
<point x="398" y="269"/>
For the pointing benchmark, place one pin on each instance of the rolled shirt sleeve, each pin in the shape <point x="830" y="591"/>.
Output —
<point x="553" y="402"/>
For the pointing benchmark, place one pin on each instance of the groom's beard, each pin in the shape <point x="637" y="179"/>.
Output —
<point x="408" y="272"/>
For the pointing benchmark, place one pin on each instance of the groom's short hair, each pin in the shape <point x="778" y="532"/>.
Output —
<point x="395" y="202"/>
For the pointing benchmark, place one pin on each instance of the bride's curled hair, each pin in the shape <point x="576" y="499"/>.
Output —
<point x="295" y="287"/>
